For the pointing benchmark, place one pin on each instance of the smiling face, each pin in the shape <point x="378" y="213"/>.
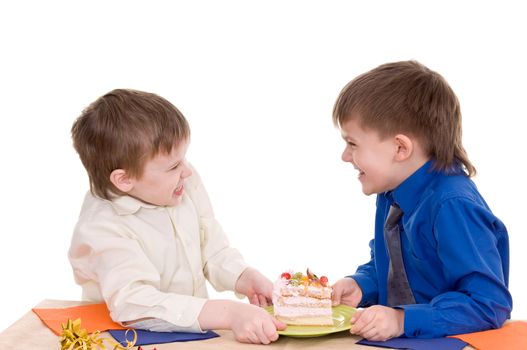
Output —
<point x="376" y="159"/>
<point x="163" y="179"/>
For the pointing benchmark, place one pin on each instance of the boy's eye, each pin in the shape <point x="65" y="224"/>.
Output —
<point x="174" y="167"/>
<point x="351" y="143"/>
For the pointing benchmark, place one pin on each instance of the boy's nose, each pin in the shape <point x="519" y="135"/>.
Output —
<point x="187" y="171"/>
<point x="346" y="156"/>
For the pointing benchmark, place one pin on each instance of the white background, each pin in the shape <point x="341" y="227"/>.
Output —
<point x="257" y="82"/>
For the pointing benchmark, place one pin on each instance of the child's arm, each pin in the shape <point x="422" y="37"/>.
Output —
<point x="249" y="323"/>
<point x="130" y="286"/>
<point x="472" y="245"/>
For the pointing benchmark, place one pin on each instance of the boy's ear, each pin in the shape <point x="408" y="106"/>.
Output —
<point x="121" y="180"/>
<point x="404" y="147"/>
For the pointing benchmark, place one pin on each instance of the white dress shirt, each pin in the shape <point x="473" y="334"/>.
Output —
<point x="148" y="261"/>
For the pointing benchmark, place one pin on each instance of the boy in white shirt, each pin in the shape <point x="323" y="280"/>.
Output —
<point x="147" y="238"/>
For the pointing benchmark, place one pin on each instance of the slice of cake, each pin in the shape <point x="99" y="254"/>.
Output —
<point x="300" y="299"/>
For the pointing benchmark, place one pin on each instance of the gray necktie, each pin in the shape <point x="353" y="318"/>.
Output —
<point x="399" y="291"/>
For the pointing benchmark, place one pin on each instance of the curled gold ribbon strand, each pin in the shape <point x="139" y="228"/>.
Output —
<point x="73" y="337"/>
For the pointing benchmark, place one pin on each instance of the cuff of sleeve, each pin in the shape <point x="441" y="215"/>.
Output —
<point x="368" y="287"/>
<point x="148" y="302"/>
<point x="182" y="311"/>
<point x="158" y="325"/>
<point x="186" y="316"/>
<point x="230" y="272"/>
<point x="418" y="320"/>
<point x="239" y="295"/>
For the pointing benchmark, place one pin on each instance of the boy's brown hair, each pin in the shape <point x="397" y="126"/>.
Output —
<point x="122" y="130"/>
<point x="407" y="97"/>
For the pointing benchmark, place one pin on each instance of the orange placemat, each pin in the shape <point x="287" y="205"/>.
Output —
<point x="512" y="336"/>
<point x="93" y="316"/>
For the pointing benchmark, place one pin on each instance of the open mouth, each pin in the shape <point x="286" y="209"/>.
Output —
<point x="179" y="191"/>
<point x="361" y="173"/>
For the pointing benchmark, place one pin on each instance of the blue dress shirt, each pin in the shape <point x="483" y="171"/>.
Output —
<point x="455" y="251"/>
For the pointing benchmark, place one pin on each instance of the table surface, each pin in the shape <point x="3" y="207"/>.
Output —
<point x="30" y="333"/>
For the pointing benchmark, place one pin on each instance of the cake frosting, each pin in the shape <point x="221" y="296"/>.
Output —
<point x="300" y="299"/>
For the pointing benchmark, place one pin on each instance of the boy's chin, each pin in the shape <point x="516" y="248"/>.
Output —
<point x="369" y="191"/>
<point x="176" y="200"/>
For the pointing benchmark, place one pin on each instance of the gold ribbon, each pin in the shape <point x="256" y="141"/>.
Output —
<point x="73" y="337"/>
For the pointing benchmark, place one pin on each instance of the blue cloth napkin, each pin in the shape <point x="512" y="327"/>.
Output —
<point x="418" y="344"/>
<point x="148" y="337"/>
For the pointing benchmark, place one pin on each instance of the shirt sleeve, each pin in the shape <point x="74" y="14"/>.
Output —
<point x="366" y="278"/>
<point x="155" y="325"/>
<point x="468" y="239"/>
<point x="104" y="252"/>
<point x="222" y="264"/>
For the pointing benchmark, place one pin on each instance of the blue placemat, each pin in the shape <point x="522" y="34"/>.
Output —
<point x="418" y="344"/>
<point x="148" y="337"/>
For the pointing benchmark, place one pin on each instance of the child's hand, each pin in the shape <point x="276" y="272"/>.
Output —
<point x="378" y="323"/>
<point x="252" y="324"/>
<point x="249" y="323"/>
<point x="255" y="286"/>
<point x="346" y="291"/>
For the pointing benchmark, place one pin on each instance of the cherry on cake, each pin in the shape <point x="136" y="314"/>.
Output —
<point x="300" y="299"/>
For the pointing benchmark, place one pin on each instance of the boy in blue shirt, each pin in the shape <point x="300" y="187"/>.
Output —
<point x="402" y="127"/>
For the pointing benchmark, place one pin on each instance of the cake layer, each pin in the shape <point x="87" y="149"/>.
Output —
<point x="310" y="291"/>
<point x="306" y="320"/>
<point x="300" y="311"/>
<point x="303" y="301"/>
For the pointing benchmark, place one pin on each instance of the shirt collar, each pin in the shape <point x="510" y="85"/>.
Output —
<point x="126" y="205"/>
<point x="409" y="192"/>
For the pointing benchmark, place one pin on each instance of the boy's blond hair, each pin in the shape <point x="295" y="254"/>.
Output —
<point x="407" y="97"/>
<point x="122" y="130"/>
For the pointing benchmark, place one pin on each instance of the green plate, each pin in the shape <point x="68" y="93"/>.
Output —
<point x="341" y="322"/>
